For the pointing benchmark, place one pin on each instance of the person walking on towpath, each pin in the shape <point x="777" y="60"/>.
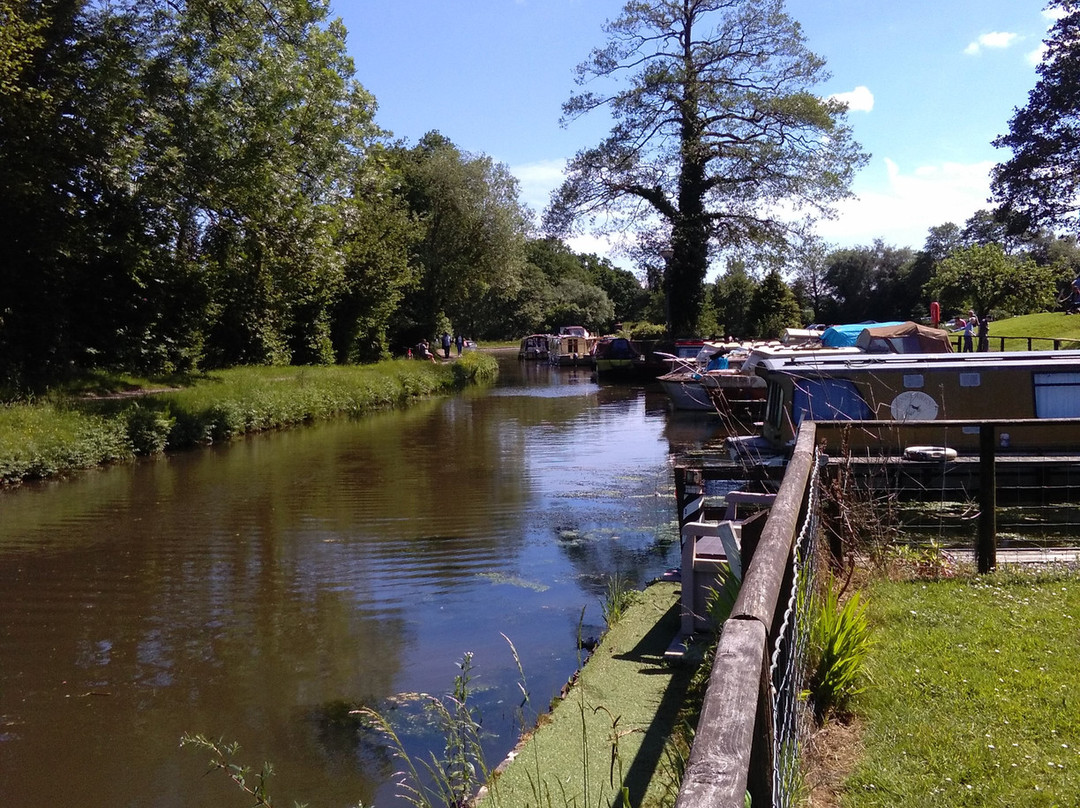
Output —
<point x="459" y="342"/>
<point x="446" y="345"/>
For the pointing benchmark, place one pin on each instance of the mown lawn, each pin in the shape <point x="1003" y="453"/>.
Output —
<point x="1047" y="326"/>
<point x="973" y="695"/>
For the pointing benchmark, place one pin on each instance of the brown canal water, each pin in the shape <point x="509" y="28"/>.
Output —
<point x="253" y="592"/>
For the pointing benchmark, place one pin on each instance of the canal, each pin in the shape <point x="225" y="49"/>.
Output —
<point x="255" y="592"/>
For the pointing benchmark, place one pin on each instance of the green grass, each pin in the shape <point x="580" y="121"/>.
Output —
<point x="69" y="431"/>
<point x="43" y="440"/>
<point x="611" y="729"/>
<point x="973" y="700"/>
<point x="1048" y="325"/>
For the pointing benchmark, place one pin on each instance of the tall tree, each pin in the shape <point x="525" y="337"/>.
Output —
<point x="264" y="137"/>
<point x="773" y="308"/>
<point x="1039" y="186"/>
<point x="733" y="294"/>
<point x="70" y="228"/>
<point x="869" y="283"/>
<point x="982" y="277"/>
<point x="718" y="134"/>
<point x="471" y="250"/>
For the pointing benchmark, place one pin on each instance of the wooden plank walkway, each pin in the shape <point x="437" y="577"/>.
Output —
<point x="1026" y="555"/>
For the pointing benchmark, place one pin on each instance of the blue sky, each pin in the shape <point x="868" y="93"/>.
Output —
<point x="931" y="83"/>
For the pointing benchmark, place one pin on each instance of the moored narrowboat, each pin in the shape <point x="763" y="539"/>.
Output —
<point x="534" y="346"/>
<point x="918" y="392"/>
<point x="616" y="357"/>
<point x="571" y="347"/>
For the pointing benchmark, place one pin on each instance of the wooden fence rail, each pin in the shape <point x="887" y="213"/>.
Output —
<point x="1033" y="343"/>
<point x="732" y="753"/>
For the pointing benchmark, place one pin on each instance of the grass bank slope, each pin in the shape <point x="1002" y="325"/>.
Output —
<point x="973" y="694"/>
<point x="64" y="433"/>
<point x="611" y="727"/>
<point x="1046" y="326"/>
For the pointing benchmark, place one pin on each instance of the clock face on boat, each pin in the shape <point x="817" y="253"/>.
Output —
<point x="914" y="405"/>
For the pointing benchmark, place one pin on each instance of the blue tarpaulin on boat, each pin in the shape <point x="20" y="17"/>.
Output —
<point x="844" y="336"/>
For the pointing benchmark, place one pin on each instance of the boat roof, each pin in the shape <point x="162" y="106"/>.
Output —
<point x="841" y="336"/>
<point x="573" y="331"/>
<point x="909" y="337"/>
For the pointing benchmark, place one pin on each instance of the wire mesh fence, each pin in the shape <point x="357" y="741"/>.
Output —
<point x="789" y="658"/>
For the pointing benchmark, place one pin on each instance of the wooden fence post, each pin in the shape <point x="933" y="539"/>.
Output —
<point x="986" y="546"/>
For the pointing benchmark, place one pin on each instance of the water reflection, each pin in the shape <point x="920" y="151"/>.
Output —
<point x="250" y="591"/>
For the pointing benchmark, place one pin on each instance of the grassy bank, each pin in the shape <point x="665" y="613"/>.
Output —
<point x="68" y="432"/>
<point x="971" y="701"/>
<point x="1046" y="326"/>
<point x="610" y="731"/>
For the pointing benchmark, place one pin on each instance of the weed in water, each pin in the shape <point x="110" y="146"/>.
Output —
<point x="451" y="780"/>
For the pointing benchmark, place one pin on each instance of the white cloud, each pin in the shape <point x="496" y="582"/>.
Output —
<point x="858" y="100"/>
<point x="993" y="40"/>
<point x="901" y="207"/>
<point x="538" y="180"/>
<point x="1036" y="56"/>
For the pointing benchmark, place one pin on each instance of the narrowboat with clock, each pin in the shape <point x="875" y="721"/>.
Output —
<point x="922" y="396"/>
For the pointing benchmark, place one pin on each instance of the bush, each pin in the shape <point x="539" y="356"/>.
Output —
<point x="148" y="429"/>
<point x="645" y="331"/>
<point x="42" y="440"/>
<point x="839" y="643"/>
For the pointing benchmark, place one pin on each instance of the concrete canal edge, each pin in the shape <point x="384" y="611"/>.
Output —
<point x="612" y="724"/>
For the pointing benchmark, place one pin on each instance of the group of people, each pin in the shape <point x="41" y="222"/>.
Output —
<point x="423" y="351"/>
<point x="974" y="327"/>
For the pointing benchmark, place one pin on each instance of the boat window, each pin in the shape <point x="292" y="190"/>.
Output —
<point x="913" y="380"/>
<point x="1057" y="395"/>
<point x="774" y="405"/>
<point x="828" y="400"/>
<point x="970" y="379"/>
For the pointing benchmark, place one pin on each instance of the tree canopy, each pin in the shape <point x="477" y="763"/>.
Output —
<point x="985" y="279"/>
<point x="717" y="134"/>
<point x="1039" y="186"/>
<point x="193" y="184"/>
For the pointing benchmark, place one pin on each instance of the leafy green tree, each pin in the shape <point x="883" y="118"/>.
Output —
<point x="376" y="238"/>
<point x="266" y="138"/>
<point x="809" y="285"/>
<point x="716" y="126"/>
<point x="983" y="278"/>
<point x="71" y="231"/>
<point x="567" y="288"/>
<point x="628" y="297"/>
<point x="1039" y="186"/>
<point x="578" y="303"/>
<point x="20" y="37"/>
<point x="869" y="283"/>
<point x="471" y="250"/>
<point x="733" y="295"/>
<point x="773" y="308"/>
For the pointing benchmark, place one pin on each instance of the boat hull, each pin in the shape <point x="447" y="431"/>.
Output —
<point x="686" y="392"/>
